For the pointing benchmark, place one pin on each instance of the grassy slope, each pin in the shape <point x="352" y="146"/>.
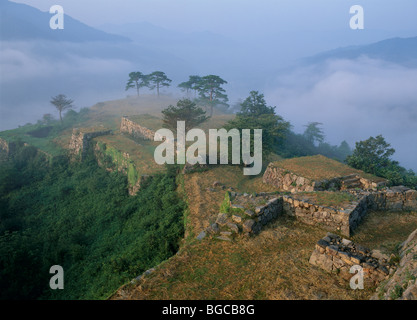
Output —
<point x="320" y="167"/>
<point x="47" y="145"/>
<point x="103" y="115"/>
<point x="273" y="265"/>
<point x="336" y="199"/>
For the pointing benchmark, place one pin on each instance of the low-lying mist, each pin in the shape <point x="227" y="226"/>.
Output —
<point x="34" y="71"/>
<point x="32" y="75"/>
<point x="354" y="99"/>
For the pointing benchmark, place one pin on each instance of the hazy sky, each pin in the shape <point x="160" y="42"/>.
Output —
<point x="232" y="17"/>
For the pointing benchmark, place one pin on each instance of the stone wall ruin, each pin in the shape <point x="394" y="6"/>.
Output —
<point x="135" y="130"/>
<point x="286" y="180"/>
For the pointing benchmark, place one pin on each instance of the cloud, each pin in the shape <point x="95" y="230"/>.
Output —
<point x="26" y="61"/>
<point x="32" y="72"/>
<point x="354" y="99"/>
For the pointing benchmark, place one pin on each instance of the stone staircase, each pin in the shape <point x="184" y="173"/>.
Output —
<point x="351" y="181"/>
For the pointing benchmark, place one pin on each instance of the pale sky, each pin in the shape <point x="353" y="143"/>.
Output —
<point x="240" y="17"/>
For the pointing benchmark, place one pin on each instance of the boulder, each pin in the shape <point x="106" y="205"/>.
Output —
<point x="248" y="225"/>
<point x="222" y="219"/>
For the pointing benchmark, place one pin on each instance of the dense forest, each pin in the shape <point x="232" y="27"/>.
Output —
<point x="81" y="217"/>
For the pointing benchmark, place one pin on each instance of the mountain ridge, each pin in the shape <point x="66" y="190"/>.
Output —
<point x="397" y="50"/>
<point x="23" y="22"/>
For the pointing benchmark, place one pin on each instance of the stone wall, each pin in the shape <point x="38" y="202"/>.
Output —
<point x="392" y="199"/>
<point x="80" y="141"/>
<point x="135" y="130"/>
<point x="403" y="283"/>
<point x="347" y="219"/>
<point x="249" y="213"/>
<point x="337" y="255"/>
<point x="243" y="220"/>
<point x="286" y="180"/>
<point x="6" y="147"/>
<point x="331" y="219"/>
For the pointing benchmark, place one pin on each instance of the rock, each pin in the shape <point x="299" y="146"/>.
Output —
<point x="355" y="260"/>
<point x="332" y="235"/>
<point x="236" y="218"/>
<point x="224" y="238"/>
<point x="323" y="243"/>
<point x="399" y="189"/>
<point x="411" y="292"/>
<point x="412" y="237"/>
<point x="233" y="227"/>
<point x="362" y="250"/>
<point x="201" y="236"/>
<point x="346" y="242"/>
<point x="222" y="219"/>
<point x="216" y="184"/>
<point x="402" y="275"/>
<point x="248" y="225"/>
<point x="259" y="210"/>
<point x="377" y="254"/>
<point x="321" y="261"/>
<point x="214" y="228"/>
<point x="250" y="213"/>
<point x="236" y="206"/>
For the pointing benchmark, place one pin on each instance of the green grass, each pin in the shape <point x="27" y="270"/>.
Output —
<point x="46" y="144"/>
<point x="385" y="230"/>
<point x="152" y="122"/>
<point x="327" y="198"/>
<point x="320" y="168"/>
<point x="126" y="151"/>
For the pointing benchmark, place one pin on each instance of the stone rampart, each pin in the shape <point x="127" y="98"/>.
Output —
<point x="337" y="255"/>
<point x="80" y="141"/>
<point x="285" y="180"/>
<point x="135" y="130"/>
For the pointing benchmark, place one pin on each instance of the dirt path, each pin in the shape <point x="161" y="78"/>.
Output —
<point x="203" y="204"/>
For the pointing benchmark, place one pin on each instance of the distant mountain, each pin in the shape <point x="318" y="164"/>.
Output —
<point x="401" y="51"/>
<point x="23" y="22"/>
<point x="149" y="34"/>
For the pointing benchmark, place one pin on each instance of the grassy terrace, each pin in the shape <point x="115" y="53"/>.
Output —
<point x="46" y="140"/>
<point x="154" y="122"/>
<point x="320" y="168"/>
<point x="273" y="265"/>
<point x="326" y="198"/>
<point x="151" y="122"/>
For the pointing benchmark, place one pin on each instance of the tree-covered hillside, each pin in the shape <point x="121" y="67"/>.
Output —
<point x="81" y="217"/>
